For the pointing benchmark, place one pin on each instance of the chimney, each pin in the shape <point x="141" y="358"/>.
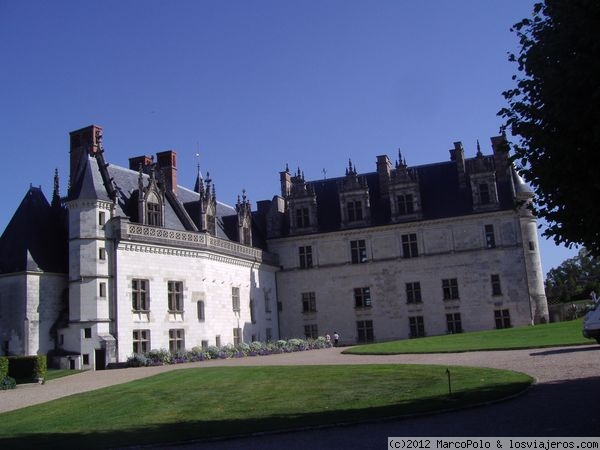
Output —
<point x="501" y="162"/>
<point x="167" y="162"/>
<point x="384" y="170"/>
<point x="83" y="142"/>
<point x="457" y="154"/>
<point x="286" y="182"/>
<point x="144" y="161"/>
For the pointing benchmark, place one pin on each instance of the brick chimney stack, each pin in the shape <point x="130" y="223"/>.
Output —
<point x="167" y="162"/>
<point x="83" y="142"/>
<point x="144" y="161"/>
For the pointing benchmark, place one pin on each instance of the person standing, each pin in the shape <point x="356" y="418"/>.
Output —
<point x="336" y="338"/>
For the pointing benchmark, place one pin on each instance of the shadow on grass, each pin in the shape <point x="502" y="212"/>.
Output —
<point x="215" y="429"/>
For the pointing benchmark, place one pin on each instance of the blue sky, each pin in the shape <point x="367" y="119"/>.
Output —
<point x="252" y="84"/>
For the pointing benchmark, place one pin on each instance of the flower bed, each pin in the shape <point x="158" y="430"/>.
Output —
<point x="162" y="356"/>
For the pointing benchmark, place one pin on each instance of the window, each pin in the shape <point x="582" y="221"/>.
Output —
<point x="362" y="297"/>
<point x="409" y="245"/>
<point x="531" y="246"/>
<point x="141" y="341"/>
<point x="484" y="194"/>
<point x="502" y="317"/>
<point x="140" y="298"/>
<point x="496" y="287"/>
<point x="176" y="340"/>
<point x="86" y="359"/>
<point x="153" y="214"/>
<point x="454" y="323"/>
<point x="269" y="334"/>
<point x="237" y="336"/>
<point x="450" y="288"/>
<point x="309" y="303"/>
<point x="101" y="253"/>
<point x="200" y="307"/>
<point x="267" y="302"/>
<point x="102" y="289"/>
<point x="490" y="239"/>
<point x="364" y="331"/>
<point x="204" y="344"/>
<point x="405" y="204"/>
<point x="305" y="254"/>
<point x="87" y="333"/>
<point x="358" y="251"/>
<point x="235" y="299"/>
<point x="413" y="292"/>
<point x="354" y="211"/>
<point x="417" y="326"/>
<point x="101" y="218"/>
<point x="175" y="293"/>
<point x="252" y="314"/>
<point x="302" y="217"/>
<point x="311" y="331"/>
<point x="218" y="340"/>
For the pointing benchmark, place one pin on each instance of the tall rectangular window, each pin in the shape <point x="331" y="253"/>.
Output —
<point x="364" y="331"/>
<point x="490" y="238"/>
<point x="175" y="294"/>
<point x="416" y="325"/>
<point x="405" y="204"/>
<point x="101" y="218"/>
<point x="309" y="302"/>
<point x="305" y="255"/>
<point x="218" y="340"/>
<point x="311" y="331"/>
<point x="453" y="323"/>
<point x="102" y="289"/>
<point x="496" y="287"/>
<point x="102" y="254"/>
<point x="450" y="289"/>
<point x="141" y="341"/>
<point x="362" y="297"/>
<point x="302" y="217"/>
<point x="269" y="334"/>
<point x="410" y="248"/>
<point x="153" y="214"/>
<point x="484" y="194"/>
<point x="354" y="209"/>
<point x="176" y="340"/>
<point x="235" y="299"/>
<point x="237" y="336"/>
<point x="200" y="307"/>
<point x="358" y="251"/>
<point x="502" y="318"/>
<point x="413" y="292"/>
<point x="140" y="295"/>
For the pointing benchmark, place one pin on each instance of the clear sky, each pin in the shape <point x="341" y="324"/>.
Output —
<point x="252" y="84"/>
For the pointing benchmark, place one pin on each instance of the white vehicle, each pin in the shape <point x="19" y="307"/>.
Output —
<point x="591" y="323"/>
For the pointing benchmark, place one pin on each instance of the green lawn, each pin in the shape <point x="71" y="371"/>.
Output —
<point x="226" y="401"/>
<point x="53" y="374"/>
<point x="546" y="335"/>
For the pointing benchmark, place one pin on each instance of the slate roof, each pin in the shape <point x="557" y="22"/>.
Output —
<point x="181" y="211"/>
<point x="36" y="237"/>
<point x="441" y="196"/>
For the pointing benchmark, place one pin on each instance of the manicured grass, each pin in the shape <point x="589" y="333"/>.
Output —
<point x="546" y="335"/>
<point x="226" y="401"/>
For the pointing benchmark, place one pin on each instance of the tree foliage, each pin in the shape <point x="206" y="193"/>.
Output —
<point x="554" y="114"/>
<point x="574" y="279"/>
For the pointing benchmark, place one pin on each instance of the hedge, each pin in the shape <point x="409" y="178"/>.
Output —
<point x="3" y="367"/>
<point x="31" y="368"/>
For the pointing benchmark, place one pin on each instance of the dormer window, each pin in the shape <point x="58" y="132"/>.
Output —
<point x="355" y="211"/>
<point x="302" y="217"/>
<point x="405" y="204"/>
<point x="153" y="214"/>
<point x="484" y="194"/>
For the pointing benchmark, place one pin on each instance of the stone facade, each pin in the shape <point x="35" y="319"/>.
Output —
<point x="397" y="253"/>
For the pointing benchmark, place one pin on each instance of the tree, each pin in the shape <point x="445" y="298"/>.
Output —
<point x="574" y="279"/>
<point x="554" y="115"/>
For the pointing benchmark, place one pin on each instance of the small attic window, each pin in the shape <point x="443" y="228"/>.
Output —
<point x="153" y="211"/>
<point x="484" y="194"/>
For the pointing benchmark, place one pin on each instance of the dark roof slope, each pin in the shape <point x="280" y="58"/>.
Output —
<point x="35" y="238"/>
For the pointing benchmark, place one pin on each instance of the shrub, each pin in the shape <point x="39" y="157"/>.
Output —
<point x="137" y="360"/>
<point x="3" y="367"/>
<point x="27" y="368"/>
<point x="7" y="383"/>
